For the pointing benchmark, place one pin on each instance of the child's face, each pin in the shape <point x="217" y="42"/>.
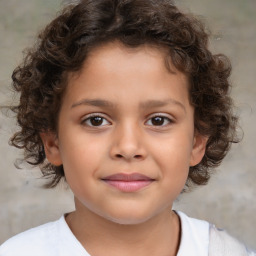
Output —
<point x="126" y="134"/>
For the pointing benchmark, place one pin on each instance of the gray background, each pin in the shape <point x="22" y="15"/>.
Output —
<point x="228" y="200"/>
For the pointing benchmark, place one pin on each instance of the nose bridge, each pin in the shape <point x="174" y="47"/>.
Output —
<point x="127" y="141"/>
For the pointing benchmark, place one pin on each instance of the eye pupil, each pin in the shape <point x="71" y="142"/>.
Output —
<point x="96" y="121"/>
<point x="157" y="120"/>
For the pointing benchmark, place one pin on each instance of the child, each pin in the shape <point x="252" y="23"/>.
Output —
<point x="124" y="100"/>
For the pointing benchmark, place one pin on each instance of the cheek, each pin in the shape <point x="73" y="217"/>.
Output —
<point x="172" y="155"/>
<point x="81" y="160"/>
<point x="174" y="150"/>
<point x="174" y="172"/>
<point x="81" y="154"/>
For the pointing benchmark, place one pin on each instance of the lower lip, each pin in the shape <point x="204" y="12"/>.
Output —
<point x="129" y="186"/>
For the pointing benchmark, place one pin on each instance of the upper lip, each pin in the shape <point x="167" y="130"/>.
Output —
<point x="127" y="177"/>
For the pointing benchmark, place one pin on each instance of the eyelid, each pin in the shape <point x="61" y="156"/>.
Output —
<point x="88" y="116"/>
<point x="163" y="115"/>
<point x="102" y="115"/>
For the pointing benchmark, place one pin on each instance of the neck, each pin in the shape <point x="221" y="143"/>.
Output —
<point x="159" y="235"/>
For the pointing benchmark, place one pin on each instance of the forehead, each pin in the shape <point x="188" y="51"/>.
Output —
<point x="114" y="50"/>
<point x="114" y="53"/>
<point x="117" y="68"/>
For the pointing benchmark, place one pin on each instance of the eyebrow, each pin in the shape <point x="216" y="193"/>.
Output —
<point x="143" y="105"/>
<point x="161" y="103"/>
<point x="94" y="102"/>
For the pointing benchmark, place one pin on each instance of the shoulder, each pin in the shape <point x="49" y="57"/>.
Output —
<point x="221" y="243"/>
<point x="35" y="241"/>
<point x="51" y="239"/>
<point x="201" y="238"/>
<point x="194" y="236"/>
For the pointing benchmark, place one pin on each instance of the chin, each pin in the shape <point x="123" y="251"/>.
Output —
<point x="128" y="221"/>
<point x="128" y="218"/>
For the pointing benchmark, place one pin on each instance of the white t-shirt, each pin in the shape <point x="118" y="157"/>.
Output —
<point x="198" y="238"/>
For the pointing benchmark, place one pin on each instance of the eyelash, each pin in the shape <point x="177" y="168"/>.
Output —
<point x="94" y="115"/>
<point x="90" y="117"/>
<point x="169" y="120"/>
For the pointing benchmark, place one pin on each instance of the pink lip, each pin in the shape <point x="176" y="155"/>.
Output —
<point x="128" y="182"/>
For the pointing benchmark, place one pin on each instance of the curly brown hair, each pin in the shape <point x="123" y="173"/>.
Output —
<point x="64" y="44"/>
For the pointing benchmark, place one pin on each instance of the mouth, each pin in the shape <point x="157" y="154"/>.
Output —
<point x="128" y="182"/>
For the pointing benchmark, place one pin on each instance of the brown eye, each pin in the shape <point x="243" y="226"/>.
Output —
<point x="95" y="121"/>
<point x="159" y="121"/>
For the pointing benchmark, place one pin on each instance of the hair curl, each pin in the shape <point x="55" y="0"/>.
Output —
<point x="64" y="44"/>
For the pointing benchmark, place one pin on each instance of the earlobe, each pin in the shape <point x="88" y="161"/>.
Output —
<point x="51" y="148"/>
<point x="198" y="150"/>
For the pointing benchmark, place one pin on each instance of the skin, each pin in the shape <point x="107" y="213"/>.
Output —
<point x="147" y="127"/>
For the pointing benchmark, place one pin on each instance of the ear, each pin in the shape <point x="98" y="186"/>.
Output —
<point x="51" y="148"/>
<point x="198" y="151"/>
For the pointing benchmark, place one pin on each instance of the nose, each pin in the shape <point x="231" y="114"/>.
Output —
<point x="127" y="143"/>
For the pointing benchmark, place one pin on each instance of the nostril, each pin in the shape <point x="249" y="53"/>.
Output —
<point x="121" y="156"/>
